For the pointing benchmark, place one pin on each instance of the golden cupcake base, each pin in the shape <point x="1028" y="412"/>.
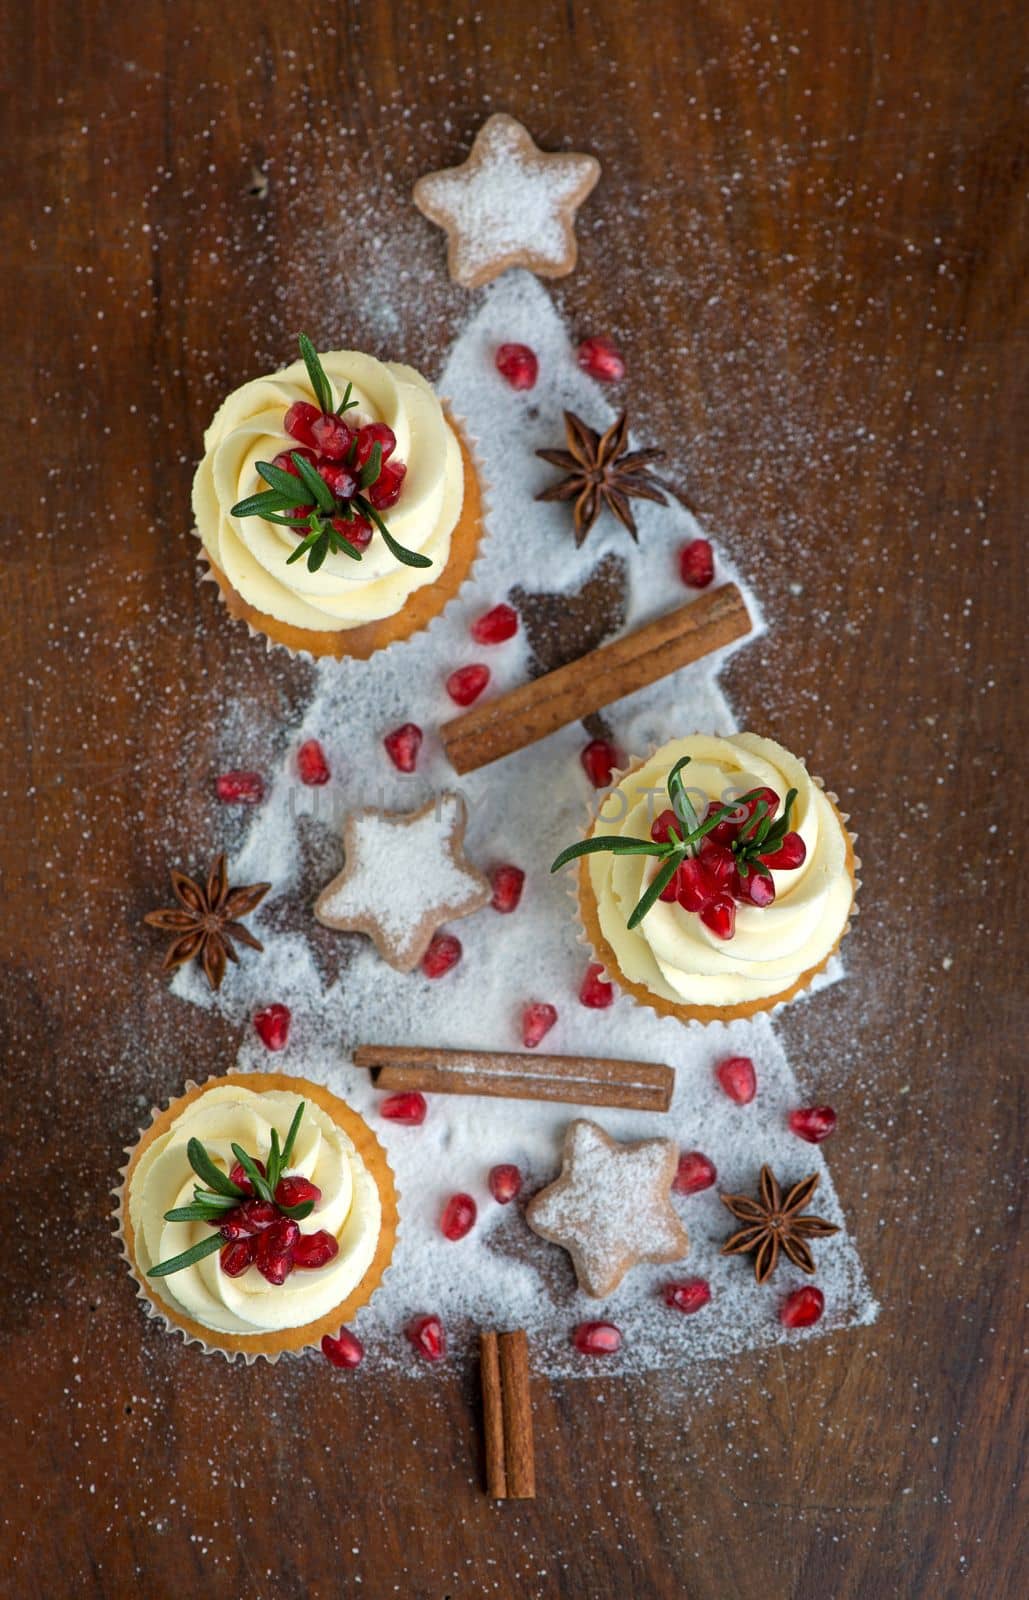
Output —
<point x="274" y="1344"/>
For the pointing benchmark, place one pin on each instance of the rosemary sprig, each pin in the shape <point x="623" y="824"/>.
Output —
<point x="196" y="1252"/>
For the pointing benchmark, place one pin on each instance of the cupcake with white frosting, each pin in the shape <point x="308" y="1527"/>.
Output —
<point x="337" y="503"/>
<point x="258" y="1213"/>
<point x="717" y="879"/>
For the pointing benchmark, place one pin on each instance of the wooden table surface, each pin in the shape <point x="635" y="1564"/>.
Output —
<point x="808" y="238"/>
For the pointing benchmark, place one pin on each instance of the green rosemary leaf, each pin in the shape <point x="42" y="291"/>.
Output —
<point x="205" y="1168"/>
<point x="194" y="1213"/>
<point x="372" y="468"/>
<point x="756" y="866"/>
<point x="197" y="1252"/>
<point x="291" y="1137"/>
<point x="616" y="843"/>
<point x="660" y="881"/>
<point x="407" y="558"/>
<point x="317" y="487"/>
<point x="253" y="1172"/>
<point x="274" y="1162"/>
<point x="316" y="372"/>
<point x="298" y="1213"/>
<point x="219" y="1202"/>
<point x="341" y="545"/>
<point x="257" y="505"/>
<point x="681" y="803"/>
<point x="346" y="404"/>
<point x="318" y="552"/>
<point x="303" y="547"/>
<point x="286" y="486"/>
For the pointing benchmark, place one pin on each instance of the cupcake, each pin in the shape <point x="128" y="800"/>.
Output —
<point x="337" y="505"/>
<point x="717" y="879"/>
<point x="257" y="1214"/>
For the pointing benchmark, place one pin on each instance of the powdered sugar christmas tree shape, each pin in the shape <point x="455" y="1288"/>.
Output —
<point x="522" y="811"/>
<point x="510" y="204"/>
<point x="611" y="1208"/>
<point x="405" y="876"/>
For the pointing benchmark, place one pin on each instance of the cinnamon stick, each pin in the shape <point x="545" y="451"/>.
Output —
<point x="499" y="727"/>
<point x="507" y="1416"/>
<point x="577" y="1080"/>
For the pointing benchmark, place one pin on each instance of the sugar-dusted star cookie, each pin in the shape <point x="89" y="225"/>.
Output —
<point x="404" y="876"/>
<point x="510" y="205"/>
<point x="611" y="1207"/>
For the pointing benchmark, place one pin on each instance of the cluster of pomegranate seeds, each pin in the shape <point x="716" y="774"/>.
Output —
<point x="595" y="991"/>
<point x="312" y="765"/>
<point x="697" y="563"/>
<point x="596" y="1338"/>
<point x="518" y="364"/>
<point x="272" y="1024"/>
<point x="427" y="1337"/>
<point x="345" y="1350"/>
<point x="505" y="1183"/>
<point x="403" y="745"/>
<point x="737" y="1078"/>
<point x="803" y="1308"/>
<point x="602" y="359"/>
<point x="813" y="1123"/>
<point x="240" y="788"/>
<point x="313" y="1250"/>
<point x="444" y="952"/>
<point x="408" y="1107"/>
<point x="458" y="1217"/>
<point x="508" y="883"/>
<point x="496" y="626"/>
<point x="467" y="683"/>
<point x="695" y="1172"/>
<point x="537" y="1020"/>
<point x="599" y="760"/>
<point x="687" y="1296"/>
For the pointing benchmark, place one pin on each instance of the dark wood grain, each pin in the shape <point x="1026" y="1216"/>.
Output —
<point x="810" y="239"/>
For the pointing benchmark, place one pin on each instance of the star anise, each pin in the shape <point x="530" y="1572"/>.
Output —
<point x="602" y="471"/>
<point x="773" y="1223"/>
<point x="206" y="921"/>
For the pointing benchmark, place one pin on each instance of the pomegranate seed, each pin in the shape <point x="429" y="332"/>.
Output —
<point x="505" y="1182"/>
<point x="346" y="1350"/>
<point x="332" y="437"/>
<point x="408" y="1108"/>
<point x="596" y="992"/>
<point x="670" y="891"/>
<point x="237" y="1175"/>
<point x="694" y="1172"/>
<point x="508" y="883"/>
<point x="813" y="1123"/>
<point x="385" y="491"/>
<point x="372" y="434"/>
<point x="719" y="915"/>
<point x="596" y="1338"/>
<point x="458" y="1217"/>
<point x="518" y="364"/>
<point x="299" y="421"/>
<point x="253" y="1216"/>
<point x="602" y="359"/>
<point x="496" y="626"/>
<point x="443" y="953"/>
<point x="599" y="759"/>
<point x="737" y="1077"/>
<point x="357" y="531"/>
<point x="537" y="1020"/>
<point x="687" y="1296"/>
<point x="312" y="766"/>
<point x="723" y="832"/>
<point x="236" y="1257"/>
<point x="802" y="1308"/>
<point x="667" y="823"/>
<point x="427" y="1336"/>
<point x="403" y="745"/>
<point x="755" y="889"/>
<point x="314" y="1249"/>
<point x="718" y="862"/>
<point x="273" y="1026"/>
<point x="467" y="683"/>
<point x="285" y="463"/>
<point x="298" y="513"/>
<point x="694" y="888"/>
<point x="339" y="479"/>
<point x="240" y="788"/>
<point x="770" y="798"/>
<point x="296" y="1191"/>
<point x="697" y="563"/>
<point x="275" y="1250"/>
<point x="792" y="853"/>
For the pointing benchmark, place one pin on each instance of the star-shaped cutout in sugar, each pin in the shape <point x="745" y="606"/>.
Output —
<point x="611" y="1208"/>
<point x="510" y="205"/>
<point x="405" y="875"/>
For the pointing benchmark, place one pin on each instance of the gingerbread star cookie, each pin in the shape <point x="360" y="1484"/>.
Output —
<point x="510" y="205"/>
<point x="405" y="875"/>
<point x="611" y="1207"/>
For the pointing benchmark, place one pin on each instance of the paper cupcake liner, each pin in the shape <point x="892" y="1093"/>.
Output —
<point x="282" y="1341"/>
<point x="418" y="611"/>
<point x="590" y="931"/>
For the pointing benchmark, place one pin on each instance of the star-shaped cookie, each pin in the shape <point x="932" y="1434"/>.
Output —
<point x="510" y="205"/>
<point x="405" y="875"/>
<point x="611" y="1207"/>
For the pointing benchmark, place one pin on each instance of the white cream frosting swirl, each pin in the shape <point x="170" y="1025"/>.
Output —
<point x="671" y="952"/>
<point x="349" y="1209"/>
<point x="252" y="553"/>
